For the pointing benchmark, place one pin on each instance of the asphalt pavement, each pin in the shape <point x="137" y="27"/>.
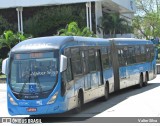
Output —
<point x="130" y="102"/>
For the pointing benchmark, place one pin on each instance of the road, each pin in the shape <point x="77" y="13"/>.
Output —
<point x="131" y="102"/>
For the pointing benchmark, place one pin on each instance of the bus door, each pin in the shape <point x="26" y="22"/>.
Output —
<point x="87" y="78"/>
<point x="94" y="77"/>
<point x="99" y="68"/>
<point x="122" y="67"/>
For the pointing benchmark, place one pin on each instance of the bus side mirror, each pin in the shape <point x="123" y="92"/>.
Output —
<point x="63" y="63"/>
<point x="4" y="66"/>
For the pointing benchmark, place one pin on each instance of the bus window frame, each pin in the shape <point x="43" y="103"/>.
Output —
<point x="108" y="57"/>
<point x="75" y="76"/>
<point x="69" y="65"/>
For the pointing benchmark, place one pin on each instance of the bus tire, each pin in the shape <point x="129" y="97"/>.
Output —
<point x="79" y="102"/>
<point x="146" y="79"/>
<point x="106" y="92"/>
<point x="140" y="85"/>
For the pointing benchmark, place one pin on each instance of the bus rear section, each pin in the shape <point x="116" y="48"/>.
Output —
<point x="136" y="62"/>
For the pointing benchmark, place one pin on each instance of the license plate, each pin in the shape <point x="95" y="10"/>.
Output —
<point x="31" y="109"/>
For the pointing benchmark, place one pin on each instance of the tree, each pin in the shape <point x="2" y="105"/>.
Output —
<point x="47" y="20"/>
<point x="3" y="24"/>
<point x="147" y="19"/>
<point x="72" y="29"/>
<point x="113" y="23"/>
<point x="10" y="39"/>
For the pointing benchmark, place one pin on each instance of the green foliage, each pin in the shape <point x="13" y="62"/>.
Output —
<point x="86" y="32"/>
<point x="147" y="20"/>
<point x="72" y="29"/>
<point x="10" y="39"/>
<point x="7" y="40"/>
<point x="49" y="19"/>
<point x="148" y="26"/>
<point x="3" y="24"/>
<point x="113" y="24"/>
<point x="45" y="21"/>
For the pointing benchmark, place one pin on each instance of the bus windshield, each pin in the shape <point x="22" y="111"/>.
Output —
<point x="33" y="72"/>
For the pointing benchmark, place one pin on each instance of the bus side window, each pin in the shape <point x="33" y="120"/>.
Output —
<point x="109" y="57"/>
<point x="125" y="54"/>
<point x="131" y="55"/>
<point x="98" y="62"/>
<point x="143" y="55"/>
<point x="68" y="73"/>
<point x="105" y="57"/>
<point x="76" y="61"/>
<point x="121" y="58"/>
<point x="137" y="54"/>
<point x="148" y="54"/>
<point x="69" y="70"/>
<point x="67" y="52"/>
<point x="85" y="61"/>
<point x="152" y="52"/>
<point x="92" y="61"/>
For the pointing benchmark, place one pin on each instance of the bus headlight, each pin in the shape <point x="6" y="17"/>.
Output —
<point x="53" y="98"/>
<point x="11" y="100"/>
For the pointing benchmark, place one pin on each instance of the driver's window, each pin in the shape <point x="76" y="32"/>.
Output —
<point x="67" y="75"/>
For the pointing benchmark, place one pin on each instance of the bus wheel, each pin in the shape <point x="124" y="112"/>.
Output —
<point x="146" y="79"/>
<point x="140" y="85"/>
<point x="106" y="92"/>
<point x="80" y="103"/>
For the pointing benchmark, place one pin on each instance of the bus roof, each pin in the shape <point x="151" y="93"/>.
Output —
<point x="130" y="41"/>
<point x="41" y="43"/>
<point x="55" y="42"/>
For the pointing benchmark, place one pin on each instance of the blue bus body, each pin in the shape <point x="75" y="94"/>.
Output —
<point x="95" y="68"/>
<point x="129" y="73"/>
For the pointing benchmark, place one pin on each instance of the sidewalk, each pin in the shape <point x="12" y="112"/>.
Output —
<point x="3" y="87"/>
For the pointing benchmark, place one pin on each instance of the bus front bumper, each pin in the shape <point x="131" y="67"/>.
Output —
<point x="37" y="110"/>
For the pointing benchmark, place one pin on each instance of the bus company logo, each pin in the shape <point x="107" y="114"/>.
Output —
<point x="6" y="120"/>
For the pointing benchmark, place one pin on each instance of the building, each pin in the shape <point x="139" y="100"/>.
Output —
<point x="125" y="7"/>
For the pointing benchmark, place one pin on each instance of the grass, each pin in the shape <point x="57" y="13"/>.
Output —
<point x="2" y="76"/>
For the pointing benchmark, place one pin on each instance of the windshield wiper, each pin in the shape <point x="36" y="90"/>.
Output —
<point x="38" y="82"/>
<point x="25" y="82"/>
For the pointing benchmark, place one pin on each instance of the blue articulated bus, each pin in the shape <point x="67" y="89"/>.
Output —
<point x="55" y="74"/>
